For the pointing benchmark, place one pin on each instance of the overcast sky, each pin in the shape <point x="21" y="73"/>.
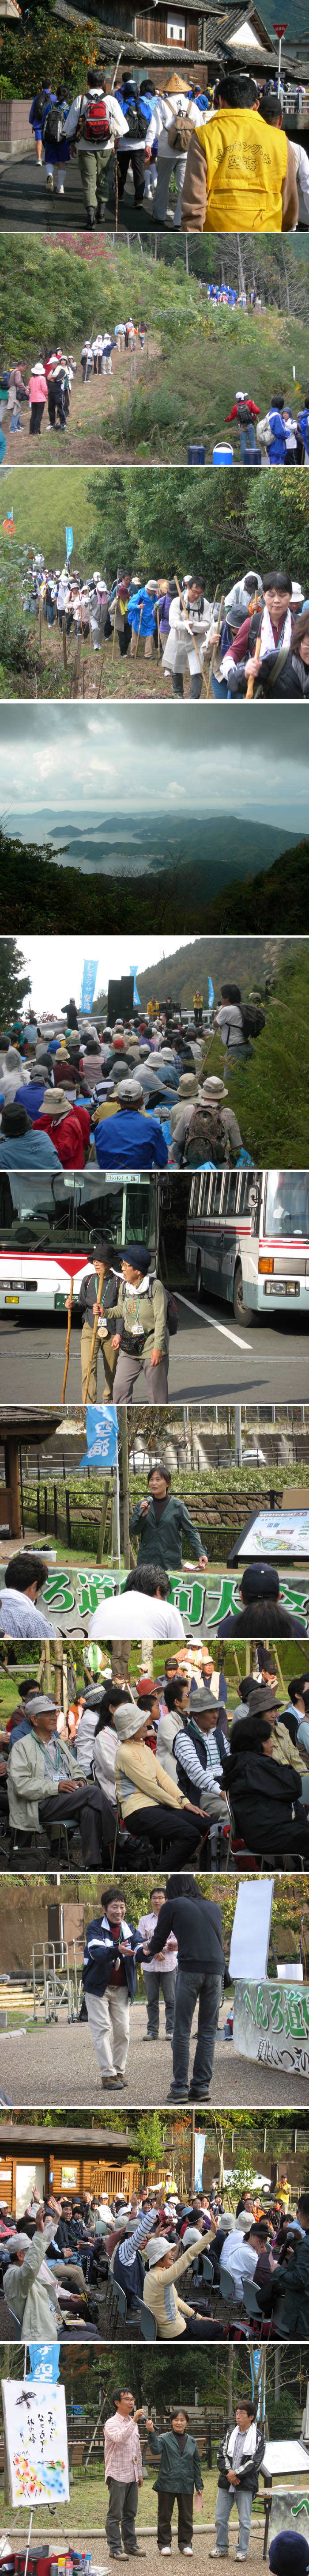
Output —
<point x="106" y="761"/>
<point x="56" y="967"/>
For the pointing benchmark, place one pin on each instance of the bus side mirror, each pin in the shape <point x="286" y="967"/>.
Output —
<point x="253" y="1198"/>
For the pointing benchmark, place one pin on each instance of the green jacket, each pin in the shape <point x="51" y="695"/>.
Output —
<point x="161" y="1541"/>
<point x="295" y="2286"/>
<point x="150" y="1312"/>
<point x="180" y="2470"/>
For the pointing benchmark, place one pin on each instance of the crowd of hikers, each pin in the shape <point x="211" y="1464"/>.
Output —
<point x="229" y="174"/>
<point x="252" y="643"/>
<point x="281" y="437"/>
<point x="74" y="1092"/>
<point x="50" y="379"/>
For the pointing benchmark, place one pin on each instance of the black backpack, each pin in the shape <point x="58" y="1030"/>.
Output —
<point x="136" y="122"/>
<point x="40" y="107"/>
<point x="253" y="1020"/>
<point x="243" y="414"/>
<point x="53" y="124"/>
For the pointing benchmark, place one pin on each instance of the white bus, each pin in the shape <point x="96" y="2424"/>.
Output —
<point x="50" y="1222"/>
<point x="247" y="1239"/>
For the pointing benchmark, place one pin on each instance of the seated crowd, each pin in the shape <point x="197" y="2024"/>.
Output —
<point x="164" y="1763"/>
<point x="168" y="2252"/>
<point x="138" y="1095"/>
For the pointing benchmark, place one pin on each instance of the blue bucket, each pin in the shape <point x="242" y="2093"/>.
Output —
<point x="196" y="455"/>
<point x="223" y="453"/>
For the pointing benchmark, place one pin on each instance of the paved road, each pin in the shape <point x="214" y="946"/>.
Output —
<point x="32" y="2070"/>
<point x="25" y="203"/>
<point x="213" y="1359"/>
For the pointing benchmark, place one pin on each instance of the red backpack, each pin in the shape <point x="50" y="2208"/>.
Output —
<point x="95" y="124"/>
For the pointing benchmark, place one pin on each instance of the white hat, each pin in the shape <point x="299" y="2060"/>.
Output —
<point x="128" y="1718"/>
<point x="158" y="2245"/>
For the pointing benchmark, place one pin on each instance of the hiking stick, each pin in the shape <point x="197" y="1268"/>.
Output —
<point x="139" y="629"/>
<point x="250" y="681"/>
<point x="114" y="634"/>
<point x="94" y="1336"/>
<point x="76" y="671"/>
<point x="116" y="192"/>
<point x="101" y="670"/>
<point x="67" y="1346"/>
<point x="158" y="636"/>
<point x="214" y="649"/>
<point x="192" y="637"/>
<point x="64" y="642"/>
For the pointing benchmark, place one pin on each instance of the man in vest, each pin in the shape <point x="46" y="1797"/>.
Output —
<point x="92" y="1313"/>
<point x="238" y="177"/>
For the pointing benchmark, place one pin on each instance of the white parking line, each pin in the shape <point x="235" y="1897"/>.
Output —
<point x="204" y="1318"/>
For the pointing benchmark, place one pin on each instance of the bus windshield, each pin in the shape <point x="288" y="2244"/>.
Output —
<point x="48" y="1209"/>
<point x="287" y="1203"/>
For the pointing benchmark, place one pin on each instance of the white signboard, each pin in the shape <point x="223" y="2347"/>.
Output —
<point x="251" y="1928"/>
<point x="277" y="1534"/>
<point x="36" y="2442"/>
<point x="271" y="2024"/>
<point x="281" y="2457"/>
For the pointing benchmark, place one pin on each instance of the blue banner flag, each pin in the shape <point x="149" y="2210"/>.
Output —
<point x="102" y="1437"/>
<point x="69" y="542"/>
<point x="135" y="994"/>
<point x="211" y="996"/>
<point x="89" y="976"/>
<point x="44" y="2360"/>
<point x="258" y="2387"/>
<point x="200" y="2142"/>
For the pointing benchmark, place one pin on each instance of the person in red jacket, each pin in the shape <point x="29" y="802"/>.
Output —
<point x="245" y="412"/>
<point x="68" y="1126"/>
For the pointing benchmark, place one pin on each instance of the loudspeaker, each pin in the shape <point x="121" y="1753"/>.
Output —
<point x="120" y="999"/>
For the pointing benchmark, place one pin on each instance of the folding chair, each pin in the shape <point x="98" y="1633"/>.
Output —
<point x="148" y="2323"/>
<point x="121" y="2302"/>
<point x="227" y="2287"/>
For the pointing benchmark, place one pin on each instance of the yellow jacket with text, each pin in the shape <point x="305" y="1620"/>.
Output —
<point x="236" y="176"/>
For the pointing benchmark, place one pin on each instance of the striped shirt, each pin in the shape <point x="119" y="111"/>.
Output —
<point x="123" y="2458"/>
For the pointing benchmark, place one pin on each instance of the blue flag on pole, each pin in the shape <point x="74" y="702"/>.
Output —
<point x="259" y="2390"/>
<point x="211" y="996"/>
<point x="44" y="2360"/>
<point x="102" y="1437"/>
<point x="200" y="2142"/>
<point x="90" y="969"/>
<point x="69" y="542"/>
<point x="135" y="994"/>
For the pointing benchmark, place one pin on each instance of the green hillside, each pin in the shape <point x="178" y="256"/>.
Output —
<point x="186" y="383"/>
<point x="36" y="889"/>
<point x="271" y="1098"/>
<point x="244" y="962"/>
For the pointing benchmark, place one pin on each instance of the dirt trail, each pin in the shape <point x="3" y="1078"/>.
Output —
<point x="92" y="407"/>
